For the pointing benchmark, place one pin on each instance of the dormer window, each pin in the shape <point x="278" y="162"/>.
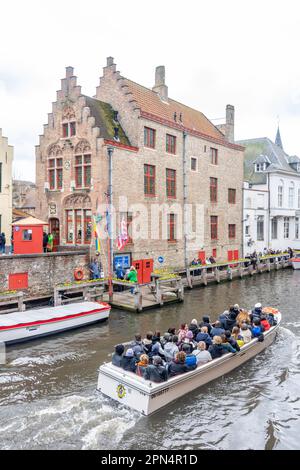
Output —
<point x="69" y="129"/>
<point x="260" y="167"/>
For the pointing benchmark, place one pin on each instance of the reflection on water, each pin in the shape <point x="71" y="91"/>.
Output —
<point x="48" y="398"/>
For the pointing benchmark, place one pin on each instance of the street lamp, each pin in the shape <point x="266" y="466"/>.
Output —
<point x="110" y="151"/>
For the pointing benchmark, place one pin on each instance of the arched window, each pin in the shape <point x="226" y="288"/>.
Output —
<point x="291" y="194"/>
<point x="280" y="194"/>
<point x="55" y="168"/>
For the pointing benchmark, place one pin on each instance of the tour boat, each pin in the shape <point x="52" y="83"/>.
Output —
<point x="30" y="324"/>
<point x="147" y="397"/>
<point x="295" y="262"/>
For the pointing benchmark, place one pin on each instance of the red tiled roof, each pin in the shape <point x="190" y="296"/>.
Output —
<point x="149" y="102"/>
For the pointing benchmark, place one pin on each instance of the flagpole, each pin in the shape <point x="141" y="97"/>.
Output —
<point x="110" y="151"/>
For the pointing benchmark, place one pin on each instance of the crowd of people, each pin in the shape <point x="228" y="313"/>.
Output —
<point x="158" y="357"/>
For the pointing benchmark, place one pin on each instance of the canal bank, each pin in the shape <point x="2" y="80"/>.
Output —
<point x="48" y="399"/>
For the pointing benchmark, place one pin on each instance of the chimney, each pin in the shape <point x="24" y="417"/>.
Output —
<point x="109" y="61"/>
<point x="230" y="123"/>
<point x="160" y="86"/>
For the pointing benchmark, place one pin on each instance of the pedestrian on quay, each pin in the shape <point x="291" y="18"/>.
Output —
<point x="94" y="270"/>
<point x="132" y="277"/>
<point x="2" y="243"/>
<point x="50" y="242"/>
<point x="45" y="241"/>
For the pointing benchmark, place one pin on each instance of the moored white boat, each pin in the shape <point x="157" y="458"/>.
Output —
<point x="147" y="397"/>
<point x="295" y="262"/>
<point x="23" y="326"/>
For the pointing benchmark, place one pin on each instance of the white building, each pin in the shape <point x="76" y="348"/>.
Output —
<point x="271" y="196"/>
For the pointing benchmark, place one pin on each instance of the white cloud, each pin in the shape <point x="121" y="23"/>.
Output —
<point x="215" y="53"/>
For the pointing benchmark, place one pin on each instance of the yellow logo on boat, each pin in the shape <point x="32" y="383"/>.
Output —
<point x="121" y="391"/>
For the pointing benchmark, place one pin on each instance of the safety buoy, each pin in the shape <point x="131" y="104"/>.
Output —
<point x="78" y="274"/>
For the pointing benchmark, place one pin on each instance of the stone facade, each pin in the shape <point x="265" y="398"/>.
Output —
<point x="6" y="160"/>
<point x="45" y="271"/>
<point x="195" y="136"/>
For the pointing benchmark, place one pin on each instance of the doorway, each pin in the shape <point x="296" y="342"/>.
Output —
<point x="54" y="229"/>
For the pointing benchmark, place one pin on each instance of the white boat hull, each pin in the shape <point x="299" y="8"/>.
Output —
<point x="146" y="397"/>
<point x="296" y="264"/>
<point x="39" y="328"/>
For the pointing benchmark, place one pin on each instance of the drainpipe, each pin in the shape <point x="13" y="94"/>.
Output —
<point x="185" y="195"/>
<point x="110" y="151"/>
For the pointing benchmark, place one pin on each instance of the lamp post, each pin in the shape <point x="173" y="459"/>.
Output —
<point x="110" y="151"/>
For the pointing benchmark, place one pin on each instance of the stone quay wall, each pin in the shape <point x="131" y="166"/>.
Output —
<point x="44" y="271"/>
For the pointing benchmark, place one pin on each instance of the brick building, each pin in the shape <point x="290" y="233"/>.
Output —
<point x="177" y="178"/>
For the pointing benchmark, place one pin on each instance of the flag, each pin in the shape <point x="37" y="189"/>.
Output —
<point x="123" y="236"/>
<point x="97" y="237"/>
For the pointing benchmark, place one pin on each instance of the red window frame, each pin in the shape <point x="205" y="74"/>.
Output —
<point x="213" y="156"/>
<point x="214" y="227"/>
<point x="171" y="144"/>
<point x="231" y="231"/>
<point x="83" y="171"/>
<point x="171" y="228"/>
<point x="69" y="222"/>
<point x="65" y="129"/>
<point x="68" y="129"/>
<point x="171" y="183"/>
<point x="213" y="189"/>
<point x="232" y="196"/>
<point x="87" y="220"/>
<point x="55" y="173"/>
<point x="149" y="137"/>
<point x="214" y="252"/>
<point x="78" y="221"/>
<point x="149" y="180"/>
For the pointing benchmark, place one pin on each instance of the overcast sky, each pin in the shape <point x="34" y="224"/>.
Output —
<point x="244" y="53"/>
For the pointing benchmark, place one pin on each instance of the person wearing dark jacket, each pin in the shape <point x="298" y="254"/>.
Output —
<point x="194" y="327"/>
<point x="45" y="241"/>
<point x="217" y="330"/>
<point x="223" y="319"/>
<point x="204" y="336"/>
<point x="156" y="372"/>
<point x="178" y="366"/>
<point x="129" y="361"/>
<point x="118" y="355"/>
<point x="256" y="312"/>
<point x="232" y="341"/>
<point x="206" y="322"/>
<point x="216" y="349"/>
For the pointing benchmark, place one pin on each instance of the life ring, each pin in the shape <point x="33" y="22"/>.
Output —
<point x="78" y="274"/>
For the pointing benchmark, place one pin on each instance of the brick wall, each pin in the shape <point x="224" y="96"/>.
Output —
<point x="44" y="270"/>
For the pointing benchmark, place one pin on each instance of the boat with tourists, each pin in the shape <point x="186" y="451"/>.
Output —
<point x="296" y="261"/>
<point x="35" y="323"/>
<point x="147" y="397"/>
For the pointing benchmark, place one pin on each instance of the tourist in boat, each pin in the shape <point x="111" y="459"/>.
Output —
<point x="217" y="330"/>
<point x="165" y="339"/>
<point x="223" y="319"/>
<point x="206" y="322"/>
<point x="256" y="312"/>
<point x="182" y="332"/>
<point x="147" y="342"/>
<point x="216" y="349"/>
<point x="202" y="355"/>
<point x="204" y="336"/>
<point x="194" y="327"/>
<point x="129" y="361"/>
<point x="172" y="331"/>
<point x="236" y="335"/>
<point x="246" y="333"/>
<point x="264" y="322"/>
<point x="231" y="340"/>
<point x="137" y="346"/>
<point x="156" y="349"/>
<point x="178" y="365"/>
<point x="257" y="329"/>
<point x="142" y="365"/>
<point x="243" y="317"/>
<point x="156" y="372"/>
<point x="189" y="341"/>
<point x="190" y="358"/>
<point x="118" y="355"/>
<point x="171" y="348"/>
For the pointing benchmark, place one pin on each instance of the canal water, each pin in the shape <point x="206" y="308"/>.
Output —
<point x="48" y="398"/>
